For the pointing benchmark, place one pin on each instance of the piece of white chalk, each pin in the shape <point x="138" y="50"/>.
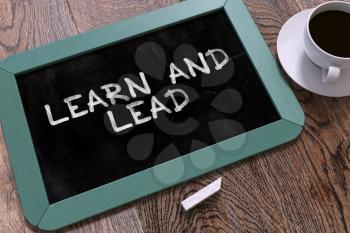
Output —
<point x="201" y="195"/>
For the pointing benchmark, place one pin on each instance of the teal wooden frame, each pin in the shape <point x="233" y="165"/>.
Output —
<point x="29" y="182"/>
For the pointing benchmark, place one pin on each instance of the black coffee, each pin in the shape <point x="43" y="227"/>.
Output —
<point x="331" y="32"/>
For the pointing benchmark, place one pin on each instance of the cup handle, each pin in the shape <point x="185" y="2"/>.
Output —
<point x="331" y="74"/>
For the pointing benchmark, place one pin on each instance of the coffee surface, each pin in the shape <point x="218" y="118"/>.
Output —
<point x="330" y="31"/>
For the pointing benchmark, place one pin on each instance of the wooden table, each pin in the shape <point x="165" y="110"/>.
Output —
<point x="300" y="187"/>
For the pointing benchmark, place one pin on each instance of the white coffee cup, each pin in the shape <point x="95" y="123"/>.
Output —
<point x="331" y="65"/>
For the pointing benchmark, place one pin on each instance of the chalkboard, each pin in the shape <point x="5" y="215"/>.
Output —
<point x="102" y="114"/>
<point x="82" y="153"/>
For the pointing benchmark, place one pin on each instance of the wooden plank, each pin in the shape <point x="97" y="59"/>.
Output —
<point x="29" y="24"/>
<point x="124" y="219"/>
<point x="90" y="14"/>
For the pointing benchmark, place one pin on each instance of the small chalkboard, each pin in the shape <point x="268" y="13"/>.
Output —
<point x="98" y="120"/>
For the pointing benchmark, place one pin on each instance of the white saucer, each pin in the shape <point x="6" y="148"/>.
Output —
<point x="290" y="48"/>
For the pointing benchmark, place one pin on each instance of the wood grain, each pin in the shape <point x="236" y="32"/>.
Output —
<point x="29" y="24"/>
<point x="90" y="14"/>
<point x="299" y="187"/>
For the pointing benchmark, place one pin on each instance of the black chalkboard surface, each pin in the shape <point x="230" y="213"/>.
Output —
<point x="82" y="153"/>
